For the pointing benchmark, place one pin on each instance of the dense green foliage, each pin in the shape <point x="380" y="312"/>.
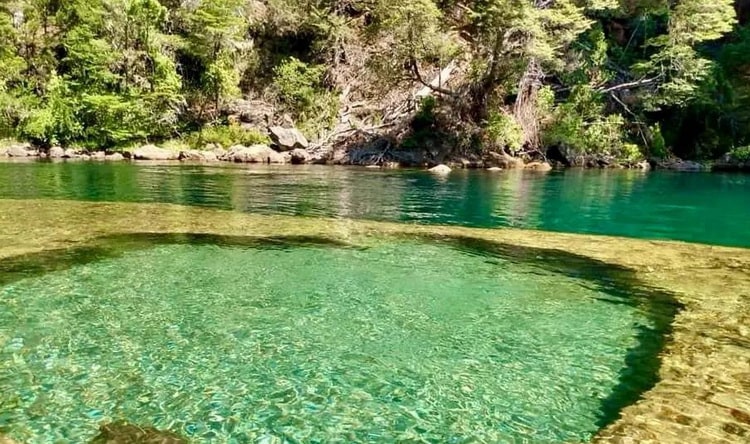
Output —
<point x="589" y="75"/>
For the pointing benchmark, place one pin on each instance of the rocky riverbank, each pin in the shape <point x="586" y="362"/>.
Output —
<point x="289" y="146"/>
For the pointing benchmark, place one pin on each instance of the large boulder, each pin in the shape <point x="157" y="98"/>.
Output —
<point x="253" y="154"/>
<point x="56" y="152"/>
<point x="152" y="152"/>
<point x="287" y="139"/>
<point x="502" y="160"/>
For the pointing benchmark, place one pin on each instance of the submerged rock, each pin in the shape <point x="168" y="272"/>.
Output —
<point x="123" y="433"/>
<point x="440" y="169"/>
<point x="287" y="139"/>
<point x="538" y="166"/>
<point x="56" y="152"/>
<point x="253" y="154"/>
<point x="153" y="152"/>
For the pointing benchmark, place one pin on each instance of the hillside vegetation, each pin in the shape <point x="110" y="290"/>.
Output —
<point x="628" y="78"/>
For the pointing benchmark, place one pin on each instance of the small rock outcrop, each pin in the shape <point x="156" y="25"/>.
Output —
<point x="731" y="162"/>
<point x="20" y="150"/>
<point x="503" y="160"/>
<point x="152" y="152"/>
<point x="538" y="166"/>
<point x="440" y="169"/>
<point x="287" y="139"/>
<point x="56" y="152"/>
<point x="680" y="165"/>
<point x="253" y="154"/>
<point x="198" y="156"/>
<point x="298" y="156"/>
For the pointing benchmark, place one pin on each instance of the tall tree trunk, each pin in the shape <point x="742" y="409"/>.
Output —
<point x="525" y="110"/>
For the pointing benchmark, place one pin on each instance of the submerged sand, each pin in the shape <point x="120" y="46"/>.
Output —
<point x="704" y="391"/>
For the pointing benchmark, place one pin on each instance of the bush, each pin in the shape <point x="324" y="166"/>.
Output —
<point x="742" y="154"/>
<point x="505" y="132"/>
<point x="298" y="84"/>
<point x="225" y="136"/>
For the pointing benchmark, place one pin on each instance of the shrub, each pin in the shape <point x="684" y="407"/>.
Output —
<point x="505" y="132"/>
<point x="298" y="84"/>
<point x="225" y="136"/>
<point x="742" y="154"/>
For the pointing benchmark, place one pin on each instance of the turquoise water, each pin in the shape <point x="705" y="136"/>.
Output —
<point x="705" y="208"/>
<point x="233" y="340"/>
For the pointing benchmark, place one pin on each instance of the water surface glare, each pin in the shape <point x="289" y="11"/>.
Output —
<point x="309" y="340"/>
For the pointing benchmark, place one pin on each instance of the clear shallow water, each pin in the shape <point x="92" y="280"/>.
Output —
<point x="705" y="208"/>
<point x="300" y="340"/>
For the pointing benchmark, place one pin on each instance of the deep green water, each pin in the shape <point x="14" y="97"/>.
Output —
<point x="234" y="340"/>
<point x="705" y="208"/>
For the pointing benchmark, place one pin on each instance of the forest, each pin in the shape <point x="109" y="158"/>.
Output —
<point x="632" y="78"/>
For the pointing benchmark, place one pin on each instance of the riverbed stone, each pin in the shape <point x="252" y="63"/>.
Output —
<point x="287" y="139"/>
<point x="114" y="157"/>
<point x="254" y="154"/>
<point x="56" y="152"/>
<point x="153" y="152"/>
<point x="538" y="166"/>
<point x="440" y="169"/>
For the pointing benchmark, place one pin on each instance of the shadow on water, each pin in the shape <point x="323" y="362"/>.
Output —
<point x="641" y="364"/>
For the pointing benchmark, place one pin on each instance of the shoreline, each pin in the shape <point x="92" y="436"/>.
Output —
<point x="264" y="154"/>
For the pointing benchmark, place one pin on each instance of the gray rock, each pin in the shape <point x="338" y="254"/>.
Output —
<point x="114" y="157"/>
<point x="84" y="156"/>
<point x="440" y="169"/>
<point x="70" y="153"/>
<point x="56" y="152"/>
<point x="298" y="156"/>
<point x="220" y="153"/>
<point x="98" y="155"/>
<point x="20" y="150"/>
<point x="680" y="165"/>
<point x="198" y="156"/>
<point x="494" y="169"/>
<point x="152" y="152"/>
<point x="643" y="165"/>
<point x="253" y="154"/>
<point x="538" y="166"/>
<point x="3" y="151"/>
<point x="287" y="139"/>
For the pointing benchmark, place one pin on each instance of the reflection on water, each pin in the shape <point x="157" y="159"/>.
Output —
<point x="708" y="208"/>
